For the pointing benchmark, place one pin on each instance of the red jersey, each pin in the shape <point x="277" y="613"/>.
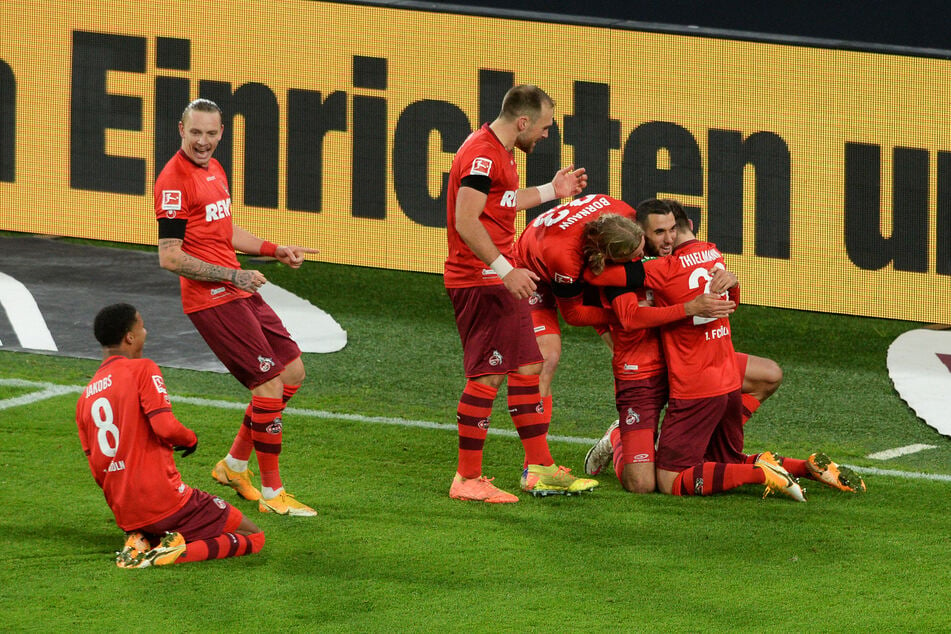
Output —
<point x="701" y="361"/>
<point x="127" y="432"/>
<point x="637" y="351"/>
<point x="481" y="155"/>
<point x="552" y="245"/>
<point x="200" y="196"/>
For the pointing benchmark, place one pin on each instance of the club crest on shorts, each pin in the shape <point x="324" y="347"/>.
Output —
<point x="534" y="299"/>
<point x="219" y="502"/>
<point x="265" y="363"/>
<point x="632" y="417"/>
<point x="495" y="359"/>
<point x="275" y="427"/>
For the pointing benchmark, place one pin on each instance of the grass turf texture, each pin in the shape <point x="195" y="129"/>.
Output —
<point x="389" y="549"/>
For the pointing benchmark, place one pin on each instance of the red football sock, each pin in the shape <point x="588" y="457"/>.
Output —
<point x="226" y="545"/>
<point x="243" y="442"/>
<point x="715" y="477"/>
<point x="289" y="392"/>
<point x="524" y="403"/>
<point x="472" y="419"/>
<point x="750" y="405"/>
<point x="795" y="467"/>
<point x="618" y="448"/>
<point x="267" y="431"/>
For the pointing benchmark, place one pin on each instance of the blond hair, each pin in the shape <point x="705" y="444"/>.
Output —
<point x="610" y="238"/>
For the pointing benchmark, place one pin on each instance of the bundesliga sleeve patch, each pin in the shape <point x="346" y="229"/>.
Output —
<point x="171" y="202"/>
<point x="481" y="166"/>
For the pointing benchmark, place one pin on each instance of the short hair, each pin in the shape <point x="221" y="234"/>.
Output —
<point x="200" y="105"/>
<point x="524" y="99"/>
<point x="610" y="238"/>
<point x="662" y="206"/>
<point x="113" y="322"/>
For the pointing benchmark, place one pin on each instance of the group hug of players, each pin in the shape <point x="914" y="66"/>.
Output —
<point x="663" y="301"/>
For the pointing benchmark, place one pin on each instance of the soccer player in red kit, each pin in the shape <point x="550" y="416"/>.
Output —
<point x="127" y="431"/>
<point x="490" y="295"/>
<point x="640" y="373"/>
<point x="556" y="246"/>
<point x="664" y="222"/>
<point x="197" y="241"/>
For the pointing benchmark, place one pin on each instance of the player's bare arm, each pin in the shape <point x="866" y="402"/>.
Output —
<point x="722" y="281"/>
<point x="709" y="305"/>
<point x="292" y="255"/>
<point x="172" y="258"/>
<point x="567" y="182"/>
<point x="469" y="206"/>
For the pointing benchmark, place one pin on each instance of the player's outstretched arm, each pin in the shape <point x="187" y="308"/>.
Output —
<point x="172" y="258"/>
<point x="293" y="255"/>
<point x="567" y="182"/>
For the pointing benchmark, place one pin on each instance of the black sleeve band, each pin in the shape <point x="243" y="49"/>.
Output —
<point x="476" y="182"/>
<point x="613" y="292"/>
<point x="635" y="274"/>
<point x="172" y="228"/>
<point x="567" y="290"/>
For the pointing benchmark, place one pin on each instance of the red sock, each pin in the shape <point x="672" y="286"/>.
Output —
<point x="266" y="430"/>
<point x="546" y="403"/>
<point x="243" y="442"/>
<point x="795" y="467"/>
<point x="226" y="545"/>
<point x="618" y="448"/>
<point x="528" y="415"/>
<point x="715" y="477"/>
<point x="472" y="419"/>
<point x="750" y="405"/>
<point x="289" y="392"/>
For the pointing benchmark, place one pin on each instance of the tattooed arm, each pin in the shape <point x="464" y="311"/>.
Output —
<point x="172" y="258"/>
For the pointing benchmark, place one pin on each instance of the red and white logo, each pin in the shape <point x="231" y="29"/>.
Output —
<point x="495" y="359"/>
<point x="159" y="384"/>
<point x="275" y="427"/>
<point x="481" y="166"/>
<point x="219" y="502"/>
<point x="171" y="201"/>
<point x="561" y="278"/>
<point x="265" y="363"/>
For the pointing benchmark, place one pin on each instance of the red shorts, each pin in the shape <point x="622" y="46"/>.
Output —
<point x="639" y="404"/>
<point x="700" y="430"/>
<point x="495" y="329"/>
<point x="203" y="517"/>
<point x="742" y="359"/>
<point x="544" y="311"/>
<point x="248" y="337"/>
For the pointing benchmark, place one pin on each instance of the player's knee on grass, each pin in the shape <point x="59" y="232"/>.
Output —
<point x="763" y="377"/>
<point x="639" y="477"/>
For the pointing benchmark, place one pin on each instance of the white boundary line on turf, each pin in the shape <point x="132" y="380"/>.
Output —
<point x="50" y="390"/>
<point x="899" y="451"/>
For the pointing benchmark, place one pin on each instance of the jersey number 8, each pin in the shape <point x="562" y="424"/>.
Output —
<point x="108" y="435"/>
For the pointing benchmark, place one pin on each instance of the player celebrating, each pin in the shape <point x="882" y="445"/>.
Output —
<point x="490" y="295"/>
<point x="700" y="446"/>
<point x="197" y="241"/>
<point x="553" y="247"/>
<point x="760" y="376"/>
<point x="127" y="431"/>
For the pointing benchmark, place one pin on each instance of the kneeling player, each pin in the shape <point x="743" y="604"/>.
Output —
<point x="127" y="431"/>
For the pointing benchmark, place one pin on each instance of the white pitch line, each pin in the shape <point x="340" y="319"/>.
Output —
<point x="899" y="451"/>
<point x="50" y="390"/>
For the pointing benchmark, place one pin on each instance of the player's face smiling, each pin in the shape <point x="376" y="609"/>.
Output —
<point x="200" y="132"/>
<point x="536" y="130"/>
<point x="660" y="233"/>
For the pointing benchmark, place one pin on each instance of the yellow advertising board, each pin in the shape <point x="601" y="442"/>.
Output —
<point x="824" y="175"/>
